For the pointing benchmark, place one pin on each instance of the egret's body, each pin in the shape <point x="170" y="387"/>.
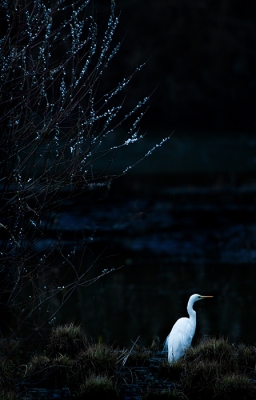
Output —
<point x="183" y="331"/>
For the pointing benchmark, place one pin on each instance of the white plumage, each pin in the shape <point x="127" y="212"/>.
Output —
<point x="183" y="331"/>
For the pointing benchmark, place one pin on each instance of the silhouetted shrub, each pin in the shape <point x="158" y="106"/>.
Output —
<point x="60" y="130"/>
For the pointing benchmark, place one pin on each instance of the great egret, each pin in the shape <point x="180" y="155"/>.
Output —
<point x="183" y="331"/>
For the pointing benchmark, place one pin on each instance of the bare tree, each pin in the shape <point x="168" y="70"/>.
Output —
<point x="58" y="116"/>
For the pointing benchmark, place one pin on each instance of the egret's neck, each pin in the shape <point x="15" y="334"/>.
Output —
<point x="191" y="311"/>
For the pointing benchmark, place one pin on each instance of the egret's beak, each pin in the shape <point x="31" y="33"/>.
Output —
<point x="205" y="297"/>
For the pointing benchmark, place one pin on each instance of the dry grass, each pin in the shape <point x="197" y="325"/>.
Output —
<point x="66" y="339"/>
<point x="235" y="387"/>
<point x="218" y="369"/>
<point x="246" y="358"/>
<point x="70" y="359"/>
<point x="97" y="359"/>
<point x="214" y="369"/>
<point x="9" y="359"/>
<point x="139" y="356"/>
<point x="50" y="372"/>
<point x="199" y="379"/>
<point x="211" y="349"/>
<point x="98" y="385"/>
<point x="7" y="383"/>
<point x="172" y="371"/>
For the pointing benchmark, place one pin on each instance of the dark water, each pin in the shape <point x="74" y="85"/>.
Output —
<point x="147" y="300"/>
<point x="172" y="241"/>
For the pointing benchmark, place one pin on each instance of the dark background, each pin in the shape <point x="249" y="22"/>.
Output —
<point x="183" y="220"/>
<point x="200" y="58"/>
<point x="194" y="201"/>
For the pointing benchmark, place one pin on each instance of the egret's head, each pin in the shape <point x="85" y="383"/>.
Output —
<point x="197" y="297"/>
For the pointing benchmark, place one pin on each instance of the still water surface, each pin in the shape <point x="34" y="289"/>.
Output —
<point x="180" y="241"/>
<point x="145" y="300"/>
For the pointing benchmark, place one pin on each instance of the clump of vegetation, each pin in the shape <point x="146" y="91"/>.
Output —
<point x="246" y="358"/>
<point x="50" y="372"/>
<point x="235" y="387"/>
<point x="10" y="358"/>
<point x="138" y="356"/>
<point x="66" y="339"/>
<point x="97" y="359"/>
<point x="172" y="371"/>
<point x="98" y="385"/>
<point x="70" y="360"/>
<point x="7" y="384"/>
<point x="211" y="349"/>
<point x="214" y="369"/>
<point x="199" y="378"/>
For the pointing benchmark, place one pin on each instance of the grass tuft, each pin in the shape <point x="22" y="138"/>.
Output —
<point x="98" y="385"/>
<point x="7" y="384"/>
<point x="246" y="358"/>
<point x="235" y="387"/>
<point x="51" y="372"/>
<point x="66" y="339"/>
<point x="139" y="356"/>
<point x="97" y="359"/>
<point x="211" y="349"/>
<point x="64" y="364"/>
<point x="199" y="378"/>
<point x="216" y="369"/>
<point x="172" y="371"/>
